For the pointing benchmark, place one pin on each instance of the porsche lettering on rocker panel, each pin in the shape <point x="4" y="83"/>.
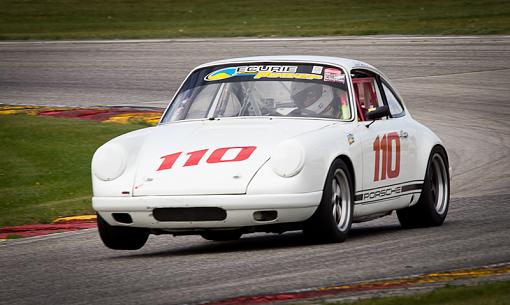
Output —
<point x="389" y="192"/>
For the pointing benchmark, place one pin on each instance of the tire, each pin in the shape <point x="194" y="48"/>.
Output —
<point x="432" y="207"/>
<point x="121" y="238"/>
<point x="221" y="235"/>
<point x="332" y="220"/>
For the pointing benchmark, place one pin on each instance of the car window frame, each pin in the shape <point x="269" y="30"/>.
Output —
<point x="349" y="87"/>
<point x="380" y="81"/>
<point x="397" y="98"/>
<point x="377" y="79"/>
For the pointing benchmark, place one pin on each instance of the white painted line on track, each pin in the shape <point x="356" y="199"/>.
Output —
<point x="327" y="38"/>
<point x="27" y="240"/>
<point x="247" y="39"/>
<point x="158" y="105"/>
<point x="165" y="102"/>
<point x="450" y="74"/>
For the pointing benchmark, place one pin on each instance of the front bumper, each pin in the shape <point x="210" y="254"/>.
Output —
<point x="239" y="209"/>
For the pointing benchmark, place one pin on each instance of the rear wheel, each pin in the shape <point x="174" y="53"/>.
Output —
<point x="432" y="207"/>
<point x="221" y="235"/>
<point x="121" y="238"/>
<point x="332" y="220"/>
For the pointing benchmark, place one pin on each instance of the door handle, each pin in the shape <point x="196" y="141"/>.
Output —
<point x="403" y="134"/>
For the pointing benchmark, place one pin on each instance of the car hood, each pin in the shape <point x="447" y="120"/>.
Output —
<point x="210" y="157"/>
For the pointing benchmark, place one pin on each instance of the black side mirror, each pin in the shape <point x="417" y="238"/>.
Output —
<point x="378" y="113"/>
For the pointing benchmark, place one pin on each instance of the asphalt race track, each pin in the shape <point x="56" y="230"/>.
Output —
<point x="460" y="87"/>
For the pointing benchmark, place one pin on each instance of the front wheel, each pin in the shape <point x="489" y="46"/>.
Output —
<point x="432" y="207"/>
<point x="121" y="238"/>
<point x="332" y="220"/>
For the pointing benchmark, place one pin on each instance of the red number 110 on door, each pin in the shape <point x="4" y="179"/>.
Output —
<point x="384" y="146"/>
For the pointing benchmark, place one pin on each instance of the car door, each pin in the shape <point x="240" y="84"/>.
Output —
<point x="388" y="144"/>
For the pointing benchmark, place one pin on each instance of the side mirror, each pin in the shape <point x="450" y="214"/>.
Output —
<point x="378" y="113"/>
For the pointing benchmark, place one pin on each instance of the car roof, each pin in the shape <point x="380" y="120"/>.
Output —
<point x="346" y="63"/>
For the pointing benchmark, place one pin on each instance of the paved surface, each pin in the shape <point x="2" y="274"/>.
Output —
<point x="78" y="269"/>
<point x="460" y="87"/>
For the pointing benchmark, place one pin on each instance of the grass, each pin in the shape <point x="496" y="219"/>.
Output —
<point x="14" y="236"/>
<point x="45" y="166"/>
<point x="97" y="19"/>
<point x="497" y="293"/>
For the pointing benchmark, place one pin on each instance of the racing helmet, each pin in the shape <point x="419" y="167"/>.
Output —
<point x="312" y="96"/>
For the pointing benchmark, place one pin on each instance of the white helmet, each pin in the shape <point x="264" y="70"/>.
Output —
<point x="313" y="97"/>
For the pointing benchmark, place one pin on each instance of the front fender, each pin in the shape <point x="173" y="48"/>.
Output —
<point x="321" y="147"/>
<point x="123" y="185"/>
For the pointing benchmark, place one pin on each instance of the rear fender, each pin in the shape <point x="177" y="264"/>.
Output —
<point x="427" y="141"/>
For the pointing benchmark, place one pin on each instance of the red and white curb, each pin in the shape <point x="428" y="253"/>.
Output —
<point x="370" y="286"/>
<point x="63" y="224"/>
<point x="121" y="115"/>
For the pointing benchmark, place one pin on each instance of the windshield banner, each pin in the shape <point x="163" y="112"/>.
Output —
<point x="275" y="72"/>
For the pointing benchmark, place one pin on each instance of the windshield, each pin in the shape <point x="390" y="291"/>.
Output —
<point x="262" y="90"/>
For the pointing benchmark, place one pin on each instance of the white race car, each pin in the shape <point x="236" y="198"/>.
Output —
<point x="272" y="144"/>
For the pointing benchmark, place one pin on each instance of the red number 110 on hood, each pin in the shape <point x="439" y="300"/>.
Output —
<point x="217" y="156"/>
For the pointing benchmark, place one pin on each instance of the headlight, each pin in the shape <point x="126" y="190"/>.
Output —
<point x="288" y="158"/>
<point x="109" y="162"/>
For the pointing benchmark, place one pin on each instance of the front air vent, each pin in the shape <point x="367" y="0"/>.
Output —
<point x="189" y="214"/>
<point x="265" y="215"/>
<point x="122" y="217"/>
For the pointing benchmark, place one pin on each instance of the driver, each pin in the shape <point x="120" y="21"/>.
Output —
<point x="313" y="99"/>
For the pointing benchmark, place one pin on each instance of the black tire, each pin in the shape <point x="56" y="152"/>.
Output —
<point x="121" y="238"/>
<point x="432" y="207"/>
<point x="221" y="235"/>
<point x="332" y="220"/>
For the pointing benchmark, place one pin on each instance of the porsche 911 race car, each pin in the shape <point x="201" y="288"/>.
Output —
<point x="272" y="144"/>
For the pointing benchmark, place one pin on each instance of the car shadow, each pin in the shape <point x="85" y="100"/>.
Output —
<point x="261" y="242"/>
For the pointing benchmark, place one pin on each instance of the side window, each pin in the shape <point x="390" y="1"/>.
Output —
<point x="367" y="94"/>
<point x="396" y="109"/>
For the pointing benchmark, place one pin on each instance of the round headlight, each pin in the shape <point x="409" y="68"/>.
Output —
<point x="288" y="158"/>
<point x="109" y="162"/>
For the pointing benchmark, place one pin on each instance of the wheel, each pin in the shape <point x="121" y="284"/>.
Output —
<point x="332" y="220"/>
<point x="432" y="207"/>
<point x="221" y="235"/>
<point x="121" y="238"/>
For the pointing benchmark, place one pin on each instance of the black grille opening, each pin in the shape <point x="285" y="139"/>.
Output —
<point x="189" y="214"/>
<point x="122" y="217"/>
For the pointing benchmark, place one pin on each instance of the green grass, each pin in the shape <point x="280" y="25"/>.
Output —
<point x="45" y="166"/>
<point x="78" y="19"/>
<point x="14" y="236"/>
<point x="497" y="293"/>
